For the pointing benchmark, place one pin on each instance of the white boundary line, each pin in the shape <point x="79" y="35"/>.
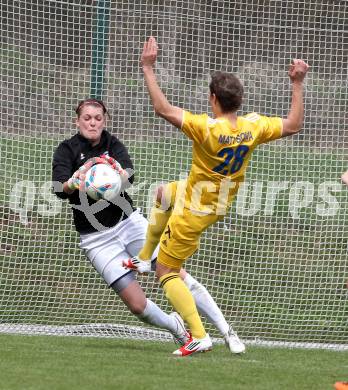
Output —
<point x="137" y="332"/>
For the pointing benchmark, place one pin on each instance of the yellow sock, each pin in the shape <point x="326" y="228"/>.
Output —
<point x="181" y="299"/>
<point x="158" y="221"/>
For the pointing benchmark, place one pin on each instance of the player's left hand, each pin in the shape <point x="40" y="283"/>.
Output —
<point x="114" y="164"/>
<point x="298" y="70"/>
<point x="148" y="58"/>
<point x="89" y="164"/>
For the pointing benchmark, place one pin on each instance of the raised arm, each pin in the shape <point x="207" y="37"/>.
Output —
<point x="162" y="107"/>
<point x="292" y="124"/>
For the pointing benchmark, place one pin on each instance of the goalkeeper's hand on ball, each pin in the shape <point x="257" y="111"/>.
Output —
<point x="76" y="182"/>
<point x="73" y="183"/>
<point x="114" y="164"/>
<point x="125" y="174"/>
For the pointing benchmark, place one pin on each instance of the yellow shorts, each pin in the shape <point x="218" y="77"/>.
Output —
<point x="180" y="238"/>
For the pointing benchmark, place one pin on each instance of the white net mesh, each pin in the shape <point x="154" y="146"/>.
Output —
<point x="277" y="265"/>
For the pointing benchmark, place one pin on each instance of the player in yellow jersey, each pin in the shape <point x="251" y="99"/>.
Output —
<point x="221" y="151"/>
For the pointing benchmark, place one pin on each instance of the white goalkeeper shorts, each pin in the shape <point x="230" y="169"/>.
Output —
<point x="107" y="249"/>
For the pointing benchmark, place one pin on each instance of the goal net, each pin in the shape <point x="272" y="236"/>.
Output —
<point x="277" y="264"/>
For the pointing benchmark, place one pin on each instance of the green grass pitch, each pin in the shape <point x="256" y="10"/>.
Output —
<point x="61" y="363"/>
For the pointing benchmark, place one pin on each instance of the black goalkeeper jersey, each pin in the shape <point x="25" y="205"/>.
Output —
<point x="72" y="154"/>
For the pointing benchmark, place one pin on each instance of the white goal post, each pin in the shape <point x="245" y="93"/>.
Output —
<point x="278" y="263"/>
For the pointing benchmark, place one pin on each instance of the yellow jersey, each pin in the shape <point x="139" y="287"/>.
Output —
<point x="221" y="155"/>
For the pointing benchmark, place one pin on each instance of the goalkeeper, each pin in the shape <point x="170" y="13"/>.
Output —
<point x="122" y="233"/>
<point x="222" y="147"/>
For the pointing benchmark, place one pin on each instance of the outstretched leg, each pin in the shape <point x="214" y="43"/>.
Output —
<point x="208" y="308"/>
<point x="147" y="311"/>
<point x="205" y="304"/>
<point x="181" y="299"/>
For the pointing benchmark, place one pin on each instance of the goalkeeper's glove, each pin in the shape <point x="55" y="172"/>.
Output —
<point x="114" y="164"/>
<point x="77" y="179"/>
<point x="73" y="183"/>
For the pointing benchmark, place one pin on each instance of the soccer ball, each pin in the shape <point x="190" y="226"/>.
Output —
<point x="102" y="182"/>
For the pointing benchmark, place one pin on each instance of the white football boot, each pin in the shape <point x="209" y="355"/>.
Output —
<point x="138" y="265"/>
<point x="233" y="343"/>
<point x="181" y="336"/>
<point x="194" y="346"/>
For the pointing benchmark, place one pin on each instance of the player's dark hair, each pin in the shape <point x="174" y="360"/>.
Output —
<point x="91" y="102"/>
<point x="228" y="90"/>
